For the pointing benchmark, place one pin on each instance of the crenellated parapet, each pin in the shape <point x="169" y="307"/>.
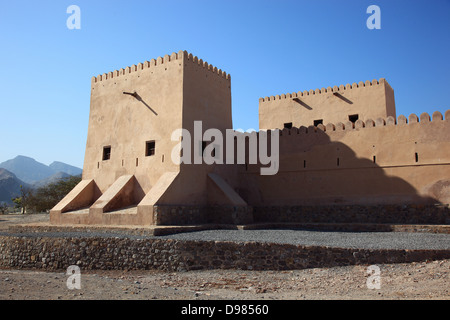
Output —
<point x="203" y="64"/>
<point x="335" y="89"/>
<point x="181" y="56"/>
<point x="369" y="123"/>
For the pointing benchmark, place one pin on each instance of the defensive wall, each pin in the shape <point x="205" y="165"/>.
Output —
<point x="383" y="161"/>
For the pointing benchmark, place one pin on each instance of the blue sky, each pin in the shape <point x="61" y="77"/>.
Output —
<point x="269" y="47"/>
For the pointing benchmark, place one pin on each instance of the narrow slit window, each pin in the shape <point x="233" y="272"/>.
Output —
<point x="150" y="148"/>
<point x="374" y="159"/>
<point x="338" y="162"/>
<point x="288" y="125"/>
<point x="106" y="153"/>
<point x="137" y="162"/>
<point x="304" y="163"/>
<point x="317" y="122"/>
<point x="417" y="157"/>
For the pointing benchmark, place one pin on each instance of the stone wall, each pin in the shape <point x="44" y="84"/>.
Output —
<point x="191" y="215"/>
<point x="172" y="255"/>
<point x="388" y="214"/>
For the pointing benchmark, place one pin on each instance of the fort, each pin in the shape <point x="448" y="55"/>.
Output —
<point x="344" y="155"/>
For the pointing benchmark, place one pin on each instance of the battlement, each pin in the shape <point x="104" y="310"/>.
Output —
<point x="424" y="118"/>
<point x="335" y="89"/>
<point x="369" y="123"/>
<point x="206" y="65"/>
<point x="182" y="56"/>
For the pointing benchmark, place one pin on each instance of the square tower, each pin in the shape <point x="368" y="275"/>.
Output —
<point x="349" y="103"/>
<point x="128" y="167"/>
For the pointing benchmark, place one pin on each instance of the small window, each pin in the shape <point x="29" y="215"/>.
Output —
<point x="106" y="153"/>
<point x="353" y="118"/>
<point x="317" y="122"/>
<point x="288" y="125"/>
<point x="149" y="148"/>
<point x="417" y="157"/>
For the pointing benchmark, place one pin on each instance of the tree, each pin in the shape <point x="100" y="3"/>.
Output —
<point x="22" y="202"/>
<point x="3" y="208"/>
<point x="45" y="198"/>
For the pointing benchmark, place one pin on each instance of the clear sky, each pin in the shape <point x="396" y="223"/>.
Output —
<point x="269" y="47"/>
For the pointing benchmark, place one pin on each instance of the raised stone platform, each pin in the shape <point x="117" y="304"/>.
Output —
<point x="46" y="247"/>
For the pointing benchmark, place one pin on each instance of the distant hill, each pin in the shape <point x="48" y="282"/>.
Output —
<point x="61" y="167"/>
<point x="9" y="186"/>
<point x="35" y="173"/>
<point x="27" y="169"/>
<point x="52" y="179"/>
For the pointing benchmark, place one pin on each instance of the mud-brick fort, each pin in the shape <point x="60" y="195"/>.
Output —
<point x="344" y="154"/>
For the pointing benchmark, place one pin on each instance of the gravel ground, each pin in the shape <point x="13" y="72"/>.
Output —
<point x="362" y="240"/>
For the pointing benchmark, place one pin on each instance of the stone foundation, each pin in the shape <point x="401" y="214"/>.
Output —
<point x="192" y="215"/>
<point x="53" y="254"/>
<point x="386" y="214"/>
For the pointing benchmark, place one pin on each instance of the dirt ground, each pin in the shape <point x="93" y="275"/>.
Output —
<point x="397" y="281"/>
<point x="421" y="280"/>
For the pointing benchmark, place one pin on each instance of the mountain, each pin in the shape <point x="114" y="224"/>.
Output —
<point x="27" y="169"/>
<point x="52" y="179"/>
<point x="9" y="186"/>
<point x="59" y="167"/>
<point x="32" y="172"/>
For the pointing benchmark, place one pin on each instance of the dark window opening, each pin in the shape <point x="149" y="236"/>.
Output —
<point x="149" y="148"/>
<point x="304" y="163"/>
<point x="353" y="118"/>
<point x="317" y="122"/>
<point x="137" y="162"/>
<point x="374" y="159"/>
<point x="417" y="157"/>
<point x="288" y="125"/>
<point x="106" y="153"/>
<point x="338" y="162"/>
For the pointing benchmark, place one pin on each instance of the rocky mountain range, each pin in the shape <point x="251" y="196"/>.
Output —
<point x="30" y="173"/>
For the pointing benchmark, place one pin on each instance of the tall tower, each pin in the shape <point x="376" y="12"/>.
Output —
<point x="128" y="175"/>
